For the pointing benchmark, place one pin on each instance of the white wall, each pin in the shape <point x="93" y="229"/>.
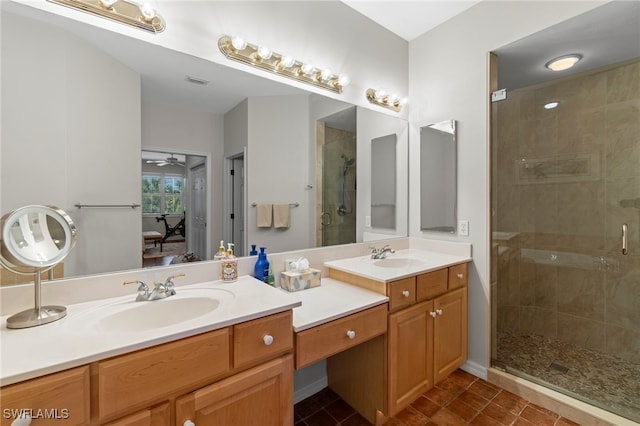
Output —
<point x="323" y="32"/>
<point x="63" y="130"/>
<point x="277" y="169"/>
<point x="448" y="79"/>
<point x="195" y="132"/>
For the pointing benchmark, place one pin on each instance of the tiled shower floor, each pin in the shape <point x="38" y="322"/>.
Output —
<point x="601" y="380"/>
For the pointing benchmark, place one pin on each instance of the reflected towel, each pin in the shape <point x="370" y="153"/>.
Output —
<point x="264" y="215"/>
<point x="281" y="215"/>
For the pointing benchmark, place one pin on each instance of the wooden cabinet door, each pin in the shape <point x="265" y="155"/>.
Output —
<point x="261" y="395"/>
<point x="156" y="416"/>
<point x="410" y="356"/>
<point x="450" y="332"/>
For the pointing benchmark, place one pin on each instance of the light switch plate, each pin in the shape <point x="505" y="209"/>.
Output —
<point x="463" y="228"/>
<point x="367" y="221"/>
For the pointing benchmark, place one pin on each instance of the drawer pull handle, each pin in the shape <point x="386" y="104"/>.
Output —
<point x="351" y="334"/>
<point x="433" y="314"/>
<point x="268" y="339"/>
<point x="405" y="293"/>
<point x="188" y="423"/>
<point x="439" y="311"/>
<point x="460" y="276"/>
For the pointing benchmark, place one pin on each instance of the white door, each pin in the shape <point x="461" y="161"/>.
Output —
<point x="237" y="203"/>
<point x="198" y="207"/>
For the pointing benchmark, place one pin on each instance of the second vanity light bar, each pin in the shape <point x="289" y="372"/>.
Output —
<point x="263" y="58"/>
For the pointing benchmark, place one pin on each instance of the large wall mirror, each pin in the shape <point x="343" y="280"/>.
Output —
<point x="105" y="98"/>
<point x="438" y="187"/>
<point x="383" y="182"/>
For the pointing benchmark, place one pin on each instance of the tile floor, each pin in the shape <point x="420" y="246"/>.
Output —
<point x="461" y="399"/>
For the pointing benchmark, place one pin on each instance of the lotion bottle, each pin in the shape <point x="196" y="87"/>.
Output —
<point x="222" y="253"/>
<point x="230" y="266"/>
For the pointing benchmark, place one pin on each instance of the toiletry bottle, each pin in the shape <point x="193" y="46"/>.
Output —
<point x="270" y="278"/>
<point x="261" y="269"/>
<point x="230" y="266"/>
<point x="253" y="251"/>
<point x="222" y="253"/>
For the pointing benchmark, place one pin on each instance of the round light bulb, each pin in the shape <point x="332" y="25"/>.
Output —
<point x="264" y="52"/>
<point x="404" y="101"/>
<point x="148" y="12"/>
<point x="380" y="94"/>
<point x="393" y="99"/>
<point x="551" y="105"/>
<point x="238" y="43"/>
<point x="344" y="80"/>
<point x="108" y="3"/>
<point x="307" y="69"/>
<point x="287" y="61"/>
<point x="326" y="74"/>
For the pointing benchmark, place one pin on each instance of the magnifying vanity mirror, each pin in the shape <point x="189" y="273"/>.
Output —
<point x="438" y="175"/>
<point x="34" y="240"/>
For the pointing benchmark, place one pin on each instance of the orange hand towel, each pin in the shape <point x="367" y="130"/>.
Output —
<point x="264" y="215"/>
<point x="281" y="215"/>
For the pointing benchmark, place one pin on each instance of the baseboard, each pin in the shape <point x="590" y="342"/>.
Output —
<point x="475" y="369"/>
<point x="310" y="389"/>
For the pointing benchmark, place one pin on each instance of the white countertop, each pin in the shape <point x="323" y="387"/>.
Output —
<point x="79" y="338"/>
<point x="331" y="300"/>
<point x="401" y="264"/>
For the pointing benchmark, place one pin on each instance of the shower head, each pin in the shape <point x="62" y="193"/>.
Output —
<point x="348" y="161"/>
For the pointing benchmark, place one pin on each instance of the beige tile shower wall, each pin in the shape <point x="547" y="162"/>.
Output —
<point x="567" y="179"/>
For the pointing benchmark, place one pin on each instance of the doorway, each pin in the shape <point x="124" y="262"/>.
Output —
<point x="235" y="200"/>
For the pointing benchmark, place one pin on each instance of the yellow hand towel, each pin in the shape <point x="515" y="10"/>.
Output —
<point x="281" y="215"/>
<point x="264" y="215"/>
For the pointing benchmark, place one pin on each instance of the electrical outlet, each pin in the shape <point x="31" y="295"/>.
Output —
<point x="463" y="228"/>
<point x="367" y="221"/>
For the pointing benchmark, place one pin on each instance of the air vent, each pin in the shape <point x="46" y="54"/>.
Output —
<point x="196" y="80"/>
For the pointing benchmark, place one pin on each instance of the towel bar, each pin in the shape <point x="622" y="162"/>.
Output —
<point x="291" y="204"/>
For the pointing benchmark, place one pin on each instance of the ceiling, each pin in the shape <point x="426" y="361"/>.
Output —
<point x="520" y="63"/>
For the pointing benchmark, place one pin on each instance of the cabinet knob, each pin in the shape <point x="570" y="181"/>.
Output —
<point x="405" y="293"/>
<point x="188" y="423"/>
<point x="24" y="419"/>
<point x="460" y="276"/>
<point x="439" y="311"/>
<point x="432" y="314"/>
<point x="351" y="334"/>
<point x="268" y="339"/>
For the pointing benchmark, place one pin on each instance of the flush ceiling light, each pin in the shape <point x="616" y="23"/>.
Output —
<point x="382" y="98"/>
<point x="563" y="62"/>
<point x="551" y="105"/>
<point x="238" y="49"/>
<point x="136" y="14"/>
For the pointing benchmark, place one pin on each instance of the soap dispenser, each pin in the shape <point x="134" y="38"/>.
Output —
<point x="253" y="251"/>
<point x="230" y="266"/>
<point x="261" y="269"/>
<point x="222" y="253"/>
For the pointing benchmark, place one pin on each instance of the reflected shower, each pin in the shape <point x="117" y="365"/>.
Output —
<point x="344" y="196"/>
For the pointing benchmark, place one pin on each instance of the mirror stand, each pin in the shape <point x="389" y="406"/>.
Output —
<point x="39" y="314"/>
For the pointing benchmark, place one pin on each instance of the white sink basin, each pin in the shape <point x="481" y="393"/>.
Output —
<point x="129" y="316"/>
<point x="158" y="313"/>
<point x="397" y="262"/>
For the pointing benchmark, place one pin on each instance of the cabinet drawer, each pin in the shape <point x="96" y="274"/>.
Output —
<point x="458" y="276"/>
<point x="156" y="416"/>
<point x="401" y="293"/>
<point x="262" y="338"/>
<point x="432" y="284"/>
<point x="328" y="339"/>
<point x="144" y="377"/>
<point x="63" y="397"/>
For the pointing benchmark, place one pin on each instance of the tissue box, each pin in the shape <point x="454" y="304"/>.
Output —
<point x="294" y="281"/>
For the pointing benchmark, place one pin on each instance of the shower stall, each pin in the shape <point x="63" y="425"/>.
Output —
<point x="566" y="236"/>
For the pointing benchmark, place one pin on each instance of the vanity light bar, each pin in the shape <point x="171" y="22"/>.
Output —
<point x="382" y="98"/>
<point x="261" y="57"/>
<point x="140" y="15"/>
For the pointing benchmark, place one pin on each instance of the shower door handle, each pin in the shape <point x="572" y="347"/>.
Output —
<point x="323" y="216"/>
<point x="624" y="239"/>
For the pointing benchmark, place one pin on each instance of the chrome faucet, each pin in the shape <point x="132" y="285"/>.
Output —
<point x="382" y="252"/>
<point x="160" y="290"/>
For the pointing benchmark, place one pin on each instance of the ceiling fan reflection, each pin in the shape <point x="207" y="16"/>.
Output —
<point x="169" y="161"/>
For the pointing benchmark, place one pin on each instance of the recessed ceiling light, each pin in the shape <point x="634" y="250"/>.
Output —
<point x="551" y="105"/>
<point x="563" y="62"/>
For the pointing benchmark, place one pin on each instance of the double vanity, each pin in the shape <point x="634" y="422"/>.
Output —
<point x="217" y="353"/>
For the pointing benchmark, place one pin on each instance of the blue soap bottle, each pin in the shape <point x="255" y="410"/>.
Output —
<point x="253" y="251"/>
<point x="261" y="269"/>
